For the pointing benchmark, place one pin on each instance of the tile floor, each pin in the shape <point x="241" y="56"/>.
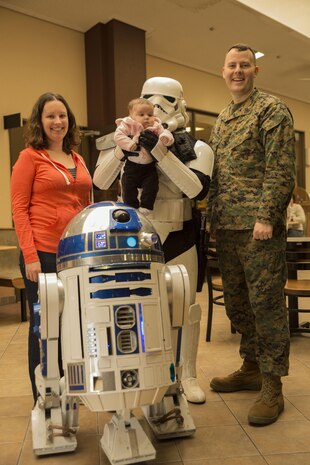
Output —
<point x="223" y="436"/>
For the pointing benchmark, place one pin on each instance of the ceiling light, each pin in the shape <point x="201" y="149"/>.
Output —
<point x="188" y="129"/>
<point x="259" y="55"/>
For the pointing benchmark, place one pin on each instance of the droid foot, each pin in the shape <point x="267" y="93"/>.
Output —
<point x="170" y="418"/>
<point x="48" y="434"/>
<point x="124" y="441"/>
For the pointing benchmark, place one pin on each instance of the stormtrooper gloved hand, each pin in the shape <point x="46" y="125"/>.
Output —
<point x="148" y="140"/>
<point x="124" y="154"/>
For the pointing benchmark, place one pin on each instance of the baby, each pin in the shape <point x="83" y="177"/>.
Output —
<point x="140" y="168"/>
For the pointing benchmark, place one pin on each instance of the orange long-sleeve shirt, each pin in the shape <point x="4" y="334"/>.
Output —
<point x="45" y="197"/>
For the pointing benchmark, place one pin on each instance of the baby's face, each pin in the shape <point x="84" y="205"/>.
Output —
<point x="144" y="114"/>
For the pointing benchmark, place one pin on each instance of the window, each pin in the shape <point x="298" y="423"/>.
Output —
<point x="200" y="126"/>
<point x="300" y="152"/>
<point x="201" y="123"/>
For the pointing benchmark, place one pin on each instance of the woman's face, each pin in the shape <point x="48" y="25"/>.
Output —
<point x="55" y="122"/>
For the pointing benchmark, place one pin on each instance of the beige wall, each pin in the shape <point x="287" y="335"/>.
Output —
<point x="209" y="93"/>
<point x="202" y="91"/>
<point x="36" y="57"/>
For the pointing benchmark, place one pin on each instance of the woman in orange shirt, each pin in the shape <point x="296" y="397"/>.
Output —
<point x="50" y="184"/>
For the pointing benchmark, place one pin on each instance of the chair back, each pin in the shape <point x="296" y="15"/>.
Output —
<point x="298" y="283"/>
<point x="298" y="254"/>
<point x="301" y="195"/>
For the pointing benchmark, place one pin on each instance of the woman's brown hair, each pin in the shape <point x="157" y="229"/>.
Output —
<point x="34" y="134"/>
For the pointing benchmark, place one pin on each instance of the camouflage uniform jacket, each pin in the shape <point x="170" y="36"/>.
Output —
<point x="254" y="172"/>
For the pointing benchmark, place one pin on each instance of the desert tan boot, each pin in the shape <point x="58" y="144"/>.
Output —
<point x="270" y="402"/>
<point x="248" y="377"/>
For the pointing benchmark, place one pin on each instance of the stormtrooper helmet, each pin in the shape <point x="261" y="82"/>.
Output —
<point x="166" y="94"/>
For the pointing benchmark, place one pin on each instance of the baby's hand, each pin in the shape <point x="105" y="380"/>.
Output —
<point x="164" y="140"/>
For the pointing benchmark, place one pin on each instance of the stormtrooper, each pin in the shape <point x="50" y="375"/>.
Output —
<point x="184" y="171"/>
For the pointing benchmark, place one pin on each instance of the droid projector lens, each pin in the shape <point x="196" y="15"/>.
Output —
<point x="131" y="241"/>
<point x="129" y="379"/>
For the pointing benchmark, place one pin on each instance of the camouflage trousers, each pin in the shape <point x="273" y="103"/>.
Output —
<point x="254" y="274"/>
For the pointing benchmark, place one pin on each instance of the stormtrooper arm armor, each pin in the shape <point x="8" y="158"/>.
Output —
<point x="109" y="162"/>
<point x="183" y="175"/>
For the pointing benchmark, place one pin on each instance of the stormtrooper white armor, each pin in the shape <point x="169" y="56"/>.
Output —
<point x="166" y="94"/>
<point x="182" y="177"/>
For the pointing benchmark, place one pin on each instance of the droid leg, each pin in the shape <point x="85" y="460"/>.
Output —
<point x="54" y="424"/>
<point x="171" y="417"/>
<point x="124" y="440"/>
<point x="54" y="417"/>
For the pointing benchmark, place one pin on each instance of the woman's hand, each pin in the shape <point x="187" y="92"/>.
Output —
<point x="32" y="271"/>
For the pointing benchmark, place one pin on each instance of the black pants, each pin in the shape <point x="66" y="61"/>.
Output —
<point x="48" y="265"/>
<point x="139" y="176"/>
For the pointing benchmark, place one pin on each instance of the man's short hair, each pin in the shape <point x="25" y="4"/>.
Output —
<point x="243" y="48"/>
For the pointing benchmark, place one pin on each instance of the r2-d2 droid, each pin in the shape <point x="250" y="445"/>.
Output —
<point x="121" y="310"/>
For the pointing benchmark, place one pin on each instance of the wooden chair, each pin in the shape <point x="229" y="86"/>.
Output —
<point x="298" y="283"/>
<point x="301" y="195"/>
<point x="13" y="278"/>
<point x="215" y="288"/>
<point x="10" y="275"/>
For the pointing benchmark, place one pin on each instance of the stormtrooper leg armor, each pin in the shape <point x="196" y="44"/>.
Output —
<point x="190" y="340"/>
<point x="190" y="332"/>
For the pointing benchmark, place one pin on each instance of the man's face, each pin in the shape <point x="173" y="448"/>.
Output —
<point x="239" y="72"/>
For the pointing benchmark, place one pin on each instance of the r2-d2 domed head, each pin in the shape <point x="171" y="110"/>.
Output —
<point x="166" y="94"/>
<point x="108" y="233"/>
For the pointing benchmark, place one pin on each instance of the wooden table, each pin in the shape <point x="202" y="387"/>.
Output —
<point x="293" y="244"/>
<point x="7" y="247"/>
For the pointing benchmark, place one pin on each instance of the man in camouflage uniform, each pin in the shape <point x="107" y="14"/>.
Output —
<point x="253" y="143"/>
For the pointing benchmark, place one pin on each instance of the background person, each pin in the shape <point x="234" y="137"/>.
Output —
<point x="254" y="176"/>
<point x="140" y="168"/>
<point x="296" y="219"/>
<point x="50" y="184"/>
